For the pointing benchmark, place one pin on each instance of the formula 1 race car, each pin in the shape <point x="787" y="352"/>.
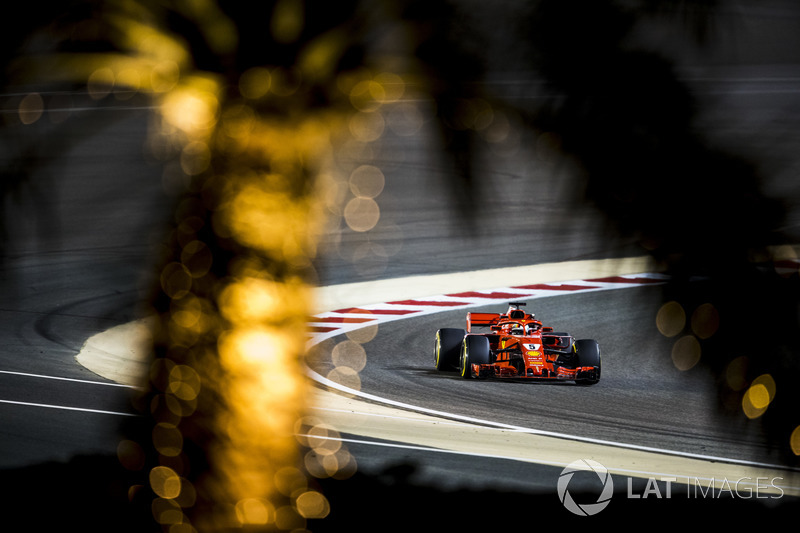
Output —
<point x="518" y="347"/>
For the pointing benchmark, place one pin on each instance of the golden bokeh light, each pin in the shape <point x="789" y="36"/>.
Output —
<point x="318" y="58"/>
<point x="705" y="321"/>
<point x="794" y="441"/>
<point x="192" y="107"/>
<point x="195" y="158"/>
<point x="499" y="130"/>
<point x="182" y="527"/>
<point x="758" y="396"/>
<point x="165" y="482"/>
<point x="167" y="512"/>
<point x="290" y="480"/>
<point x="184" y="382"/>
<point x="254" y="511"/>
<point x="338" y="465"/>
<point x="366" y="94"/>
<point x="671" y="319"/>
<point x="367" y="181"/>
<point x="349" y="354"/>
<point x="768" y="382"/>
<point x="287" y="21"/>
<point x="346" y="377"/>
<point x="393" y="87"/>
<point x="367" y="126"/>
<point x="750" y="410"/>
<point x="362" y="214"/>
<point x="167" y="439"/>
<point x="313" y="504"/>
<point x="31" y="108"/>
<point x="130" y="455"/>
<point x="363" y="334"/>
<point x="322" y="438"/>
<point x="188" y="495"/>
<point x="176" y="280"/>
<point x="736" y="373"/>
<point x="255" y="82"/>
<point x="197" y="257"/>
<point x="686" y="353"/>
<point x="287" y="519"/>
<point x="762" y="390"/>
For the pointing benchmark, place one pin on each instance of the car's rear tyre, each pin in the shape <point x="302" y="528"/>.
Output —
<point x="474" y="351"/>
<point x="447" y="349"/>
<point x="588" y="355"/>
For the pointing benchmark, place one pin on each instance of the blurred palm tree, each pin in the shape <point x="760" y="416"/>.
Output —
<point x="252" y="98"/>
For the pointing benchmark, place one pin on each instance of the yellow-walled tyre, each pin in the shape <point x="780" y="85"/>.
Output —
<point x="447" y="348"/>
<point x="475" y="350"/>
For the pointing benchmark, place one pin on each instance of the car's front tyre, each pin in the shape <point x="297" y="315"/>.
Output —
<point x="447" y="348"/>
<point x="475" y="350"/>
<point x="588" y="355"/>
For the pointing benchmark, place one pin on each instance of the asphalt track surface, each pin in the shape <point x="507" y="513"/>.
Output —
<point x="642" y="400"/>
<point x="77" y="262"/>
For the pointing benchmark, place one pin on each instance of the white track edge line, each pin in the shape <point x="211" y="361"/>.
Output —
<point x="75" y="380"/>
<point x="67" y="408"/>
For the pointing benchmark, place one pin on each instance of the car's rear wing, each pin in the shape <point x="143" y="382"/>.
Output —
<point x="482" y="319"/>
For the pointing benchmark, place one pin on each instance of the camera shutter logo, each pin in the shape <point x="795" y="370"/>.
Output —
<point x="588" y="509"/>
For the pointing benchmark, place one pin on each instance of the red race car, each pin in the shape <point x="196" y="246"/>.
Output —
<point x="518" y="346"/>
